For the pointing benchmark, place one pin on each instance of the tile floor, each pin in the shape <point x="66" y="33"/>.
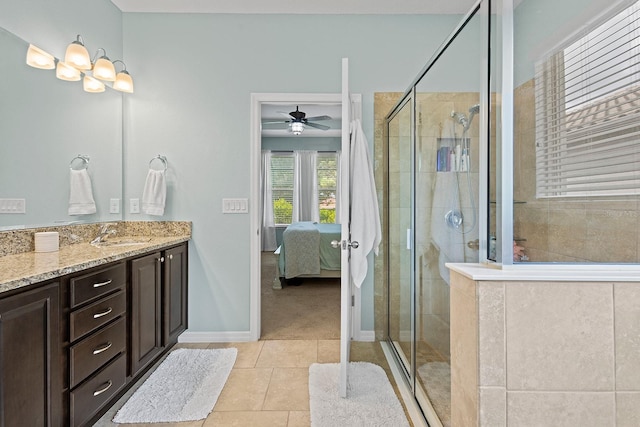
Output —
<point x="269" y="383"/>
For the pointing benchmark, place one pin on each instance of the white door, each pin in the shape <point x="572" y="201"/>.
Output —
<point x="345" y="244"/>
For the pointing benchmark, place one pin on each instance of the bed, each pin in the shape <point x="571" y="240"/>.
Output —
<point x="306" y="251"/>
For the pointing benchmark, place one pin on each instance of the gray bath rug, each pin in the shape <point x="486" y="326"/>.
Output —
<point x="185" y="387"/>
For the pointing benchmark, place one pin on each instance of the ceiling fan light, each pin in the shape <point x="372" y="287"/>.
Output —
<point x="297" y="128"/>
<point x="38" y="58"/>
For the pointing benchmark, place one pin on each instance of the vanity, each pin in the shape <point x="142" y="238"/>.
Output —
<point x="80" y="325"/>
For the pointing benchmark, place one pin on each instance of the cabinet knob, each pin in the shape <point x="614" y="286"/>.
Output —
<point x="171" y="256"/>
<point x="161" y="259"/>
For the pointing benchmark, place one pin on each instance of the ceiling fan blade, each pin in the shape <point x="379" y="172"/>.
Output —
<point x="271" y="122"/>
<point x="318" y="126"/>
<point x="315" y="119"/>
<point x="276" y="125"/>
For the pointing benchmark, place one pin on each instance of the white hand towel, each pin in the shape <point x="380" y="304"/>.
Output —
<point x="154" y="193"/>
<point x="365" y="218"/>
<point x="80" y="194"/>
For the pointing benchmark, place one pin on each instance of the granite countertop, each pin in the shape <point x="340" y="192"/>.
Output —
<point x="27" y="268"/>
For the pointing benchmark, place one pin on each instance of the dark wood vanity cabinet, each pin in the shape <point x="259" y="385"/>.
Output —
<point x="97" y="339"/>
<point x="31" y="374"/>
<point x="158" y="304"/>
<point x="175" y="294"/>
<point x="69" y="348"/>
<point x="146" y="310"/>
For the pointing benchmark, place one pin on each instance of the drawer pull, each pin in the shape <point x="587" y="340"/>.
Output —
<point x="99" y="285"/>
<point x="104" y="313"/>
<point x="107" y="386"/>
<point x="106" y="347"/>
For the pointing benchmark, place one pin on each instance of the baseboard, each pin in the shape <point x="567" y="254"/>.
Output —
<point x="365" y="336"/>
<point x="213" y="336"/>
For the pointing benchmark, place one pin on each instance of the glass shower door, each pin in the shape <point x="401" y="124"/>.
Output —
<point x="400" y="187"/>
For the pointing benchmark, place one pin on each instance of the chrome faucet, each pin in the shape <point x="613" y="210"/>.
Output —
<point x="105" y="232"/>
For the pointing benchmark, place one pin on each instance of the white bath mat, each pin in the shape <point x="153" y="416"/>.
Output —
<point x="370" y="401"/>
<point x="185" y="387"/>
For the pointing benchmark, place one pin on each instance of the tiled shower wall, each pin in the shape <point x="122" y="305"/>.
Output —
<point x="596" y="229"/>
<point x="527" y="353"/>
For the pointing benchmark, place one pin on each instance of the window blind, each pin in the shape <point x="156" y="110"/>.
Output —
<point x="588" y="113"/>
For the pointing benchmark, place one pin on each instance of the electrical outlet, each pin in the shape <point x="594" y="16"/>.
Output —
<point x="114" y="206"/>
<point x="134" y="206"/>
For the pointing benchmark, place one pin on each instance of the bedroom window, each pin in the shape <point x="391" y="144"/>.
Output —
<point x="282" y="184"/>
<point x="282" y="187"/>
<point x="327" y="185"/>
<point x="588" y="113"/>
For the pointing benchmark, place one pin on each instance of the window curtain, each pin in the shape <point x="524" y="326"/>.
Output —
<point x="268" y="223"/>
<point x="305" y="186"/>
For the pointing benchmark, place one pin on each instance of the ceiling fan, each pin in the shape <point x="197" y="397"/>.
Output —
<point x="298" y="120"/>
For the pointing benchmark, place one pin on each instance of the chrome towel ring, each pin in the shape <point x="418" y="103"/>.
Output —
<point x="79" y="162"/>
<point x="160" y="158"/>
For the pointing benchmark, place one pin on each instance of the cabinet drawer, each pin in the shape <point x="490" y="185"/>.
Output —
<point x="96" y="284"/>
<point x="94" y="351"/>
<point x="97" y="314"/>
<point x="87" y="399"/>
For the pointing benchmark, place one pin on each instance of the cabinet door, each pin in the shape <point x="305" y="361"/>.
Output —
<point x="175" y="293"/>
<point x="146" y="311"/>
<point x="30" y="366"/>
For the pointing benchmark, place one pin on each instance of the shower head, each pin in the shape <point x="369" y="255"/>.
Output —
<point x="472" y="112"/>
<point x="460" y="118"/>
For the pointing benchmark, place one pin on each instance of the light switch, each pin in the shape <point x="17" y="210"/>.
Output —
<point x="235" y="206"/>
<point x="13" y="206"/>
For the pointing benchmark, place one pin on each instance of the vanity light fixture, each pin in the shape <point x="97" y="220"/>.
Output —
<point x="77" y="63"/>
<point x="103" y="68"/>
<point x="38" y="58"/>
<point x="124" y="82"/>
<point x="297" y="128"/>
<point x="67" y="72"/>
<point x="91" y="85"/>
<point x="77" y="55"/>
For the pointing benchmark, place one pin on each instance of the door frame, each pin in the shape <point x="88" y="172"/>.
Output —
<point x="255" y="210"/>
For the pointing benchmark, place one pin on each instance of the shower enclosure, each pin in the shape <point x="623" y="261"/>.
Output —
<point x="432" y="204"/>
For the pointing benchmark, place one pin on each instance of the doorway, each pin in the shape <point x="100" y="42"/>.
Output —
<point x="258" y="258"/>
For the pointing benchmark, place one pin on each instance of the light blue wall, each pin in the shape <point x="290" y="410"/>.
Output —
<point x="194" y="75"/>
<point x="293" y="143"/>
<point x="45" y="122"/>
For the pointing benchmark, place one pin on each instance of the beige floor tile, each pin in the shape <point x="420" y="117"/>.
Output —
<point x="245" y="390"/>
<point x="248" y="418"/>
<point x="299" y="419"/>
<point x="328" y="351"/>
<point x="288" y="354"/>
<point x="248" y="352"/>
<point x="288" y="390"/>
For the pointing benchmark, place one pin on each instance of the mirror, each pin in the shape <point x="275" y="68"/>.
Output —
<point x="44" y="124"/>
